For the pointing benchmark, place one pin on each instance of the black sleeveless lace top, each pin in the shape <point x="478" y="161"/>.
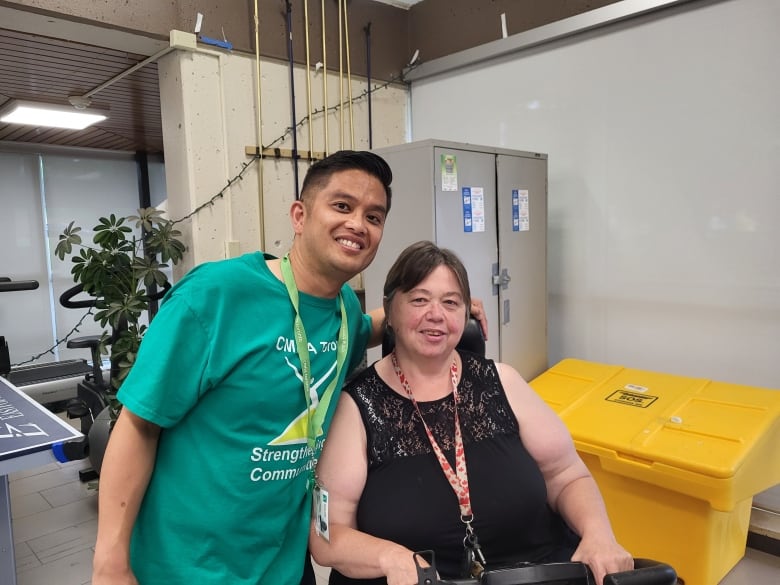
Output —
<point x="408" y="500"/>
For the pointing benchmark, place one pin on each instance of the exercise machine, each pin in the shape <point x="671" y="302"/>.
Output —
<point x="82" y="386"/>
<point x="92" y="391"/>
<point x="92" y="404"/>
<point x="45" y="383"/>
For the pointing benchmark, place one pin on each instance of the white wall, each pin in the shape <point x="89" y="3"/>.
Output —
<point x="42" y="190"/>
<point x="209" y="117"/>
<point x="663" y="136"/>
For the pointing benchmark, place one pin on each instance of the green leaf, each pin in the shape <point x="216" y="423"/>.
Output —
<point x="111" y="231"/>
<point x="116" y="271"/>
<point x="68" y="238"/>
<point x="147" y="218"/>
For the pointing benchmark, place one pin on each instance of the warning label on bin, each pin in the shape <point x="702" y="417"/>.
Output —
<point x="631" y="398"/>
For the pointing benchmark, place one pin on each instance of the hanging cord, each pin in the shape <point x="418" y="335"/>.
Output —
<point x="325" y="80"/>
<point x="308" y="73"/>
<point x="292" y="98"/>
<point x="260" y="198"/>
<point x="367" y="29"/>
<point x="349" y="78"/>
<point x="341" y="75"/>
<point x="366" y="93"/>
<point x="244" y="167"/>
<point x="57" y="342"/>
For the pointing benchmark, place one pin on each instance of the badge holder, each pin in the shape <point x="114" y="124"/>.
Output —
<point x="474" y="561"/>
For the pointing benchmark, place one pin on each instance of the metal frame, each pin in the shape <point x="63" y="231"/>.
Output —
<point x="592" y="19"/>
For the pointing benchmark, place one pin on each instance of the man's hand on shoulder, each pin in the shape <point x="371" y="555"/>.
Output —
<point x="478" y="312"/>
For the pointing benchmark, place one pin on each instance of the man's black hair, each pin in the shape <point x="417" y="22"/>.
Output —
<point x="346" y="160"/>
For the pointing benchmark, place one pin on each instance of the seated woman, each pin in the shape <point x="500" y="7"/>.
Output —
<point x="432" y="448"/>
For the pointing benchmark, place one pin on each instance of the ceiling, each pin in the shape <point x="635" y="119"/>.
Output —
<point x="39" y="68"/>
<point x="400" y="3"/>
<point x="40" y="62"/>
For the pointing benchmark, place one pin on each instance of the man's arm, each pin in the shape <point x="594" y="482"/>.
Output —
<point x="478" y="312"/>
<point x="377" y="326"/>
<point x="124" y="477"/>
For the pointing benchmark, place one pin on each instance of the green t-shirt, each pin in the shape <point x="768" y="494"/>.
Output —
<point x="218" y="370"/>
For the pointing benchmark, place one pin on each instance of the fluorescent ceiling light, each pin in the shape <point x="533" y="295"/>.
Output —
<point x="55" y="116"/>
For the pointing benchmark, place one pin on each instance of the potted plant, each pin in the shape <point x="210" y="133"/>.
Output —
<point x="119" y="271"/>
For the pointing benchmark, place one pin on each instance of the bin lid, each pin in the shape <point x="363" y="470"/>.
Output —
<point x="714" y="429"/>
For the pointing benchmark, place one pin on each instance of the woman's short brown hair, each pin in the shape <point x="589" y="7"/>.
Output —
<point x="416" y="263"/>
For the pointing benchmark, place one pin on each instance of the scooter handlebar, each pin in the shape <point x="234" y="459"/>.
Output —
<point x="645" y="572"/>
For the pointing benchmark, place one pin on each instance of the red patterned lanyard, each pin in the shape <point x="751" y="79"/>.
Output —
<point x="459" y="478"/>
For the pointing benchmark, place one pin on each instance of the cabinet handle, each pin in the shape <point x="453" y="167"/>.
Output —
<point x="502" y="279"/>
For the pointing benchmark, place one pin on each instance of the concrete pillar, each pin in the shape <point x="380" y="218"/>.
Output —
<point x="196" y="142"/>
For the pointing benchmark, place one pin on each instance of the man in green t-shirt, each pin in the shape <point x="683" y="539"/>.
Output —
<point x="208" y="473"/>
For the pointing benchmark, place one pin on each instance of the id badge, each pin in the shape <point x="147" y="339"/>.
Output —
<point x="321" y="512"/>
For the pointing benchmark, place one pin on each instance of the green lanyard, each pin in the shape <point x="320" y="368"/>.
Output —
<point x="302" y="345"/>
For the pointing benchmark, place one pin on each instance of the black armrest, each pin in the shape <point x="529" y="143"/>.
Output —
<point x="646" y="572"/>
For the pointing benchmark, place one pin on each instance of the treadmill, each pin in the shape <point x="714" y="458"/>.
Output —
<point x="45" y="383"/>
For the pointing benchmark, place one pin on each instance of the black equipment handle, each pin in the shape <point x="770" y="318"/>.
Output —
<point x="65" y="298"/>
<point x="645" y="572"/>
<point x="8" y="285"/>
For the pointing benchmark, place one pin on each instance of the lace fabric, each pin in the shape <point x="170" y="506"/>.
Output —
<point x="394" y="428"/>
<point x="406" y="498"/>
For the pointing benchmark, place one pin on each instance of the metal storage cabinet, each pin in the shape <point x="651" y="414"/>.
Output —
<point x="500" y="234"/>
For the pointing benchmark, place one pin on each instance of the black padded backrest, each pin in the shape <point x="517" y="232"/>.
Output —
<point x="472" y="339"/>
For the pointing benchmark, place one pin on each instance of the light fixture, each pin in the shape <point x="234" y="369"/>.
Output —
<point x="55" y="116"/>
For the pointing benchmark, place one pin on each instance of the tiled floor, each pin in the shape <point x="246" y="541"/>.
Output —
<point x="55" y="521"/>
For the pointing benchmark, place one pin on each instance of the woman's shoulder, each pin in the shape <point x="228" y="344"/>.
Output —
<point x="362" y="380"/>
<point x="478" y="365"/>
<point x="367" y="388"/>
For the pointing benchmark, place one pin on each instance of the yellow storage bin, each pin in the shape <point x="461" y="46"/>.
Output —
<point x="677" y="459"/>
